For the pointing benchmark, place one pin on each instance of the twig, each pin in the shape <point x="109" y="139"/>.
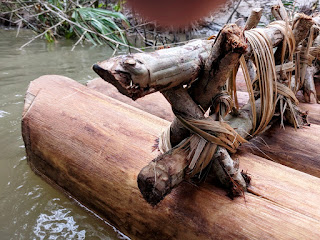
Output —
<point x="115" y="50"/>
<point x="17" y="9"/>
<point x="76" y="4"/>
<point x="78" y="40"/>
<point x="8" y="20"/>
<point x="41" y="34"/>
<point x="234" y="10"/>
<point x="38" y="14"/>
<point x="34" y="28"/>
<point x="19" y="26"/>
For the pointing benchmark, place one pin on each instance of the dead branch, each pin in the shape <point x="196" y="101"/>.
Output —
<point x="253" y="19"/>
<point x="190" y="77"/>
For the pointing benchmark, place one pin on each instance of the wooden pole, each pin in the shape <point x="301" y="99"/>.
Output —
<point x="140" y="74"/>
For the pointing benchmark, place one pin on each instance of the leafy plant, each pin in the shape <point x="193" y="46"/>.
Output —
<point x="118" y="7"/>
<point x="101" y="21"/>
<point x="49" y="36"/>
<point x="290" y="6"/>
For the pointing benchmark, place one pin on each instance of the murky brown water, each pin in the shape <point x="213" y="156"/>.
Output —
<point x="29" y="207"/>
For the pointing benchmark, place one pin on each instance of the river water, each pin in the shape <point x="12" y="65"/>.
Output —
<point x="29" y="207"/>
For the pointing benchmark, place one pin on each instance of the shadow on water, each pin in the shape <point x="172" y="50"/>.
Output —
<point x="29" y="207"/>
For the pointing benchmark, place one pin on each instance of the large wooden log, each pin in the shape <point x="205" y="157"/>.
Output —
<point x="298" y="149"/>
<point x="303" y="159"/>
<point x="93" y="148"/>
<point x="155" y="103"/>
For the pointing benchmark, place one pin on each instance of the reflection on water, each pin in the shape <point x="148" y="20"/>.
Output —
<point x="29" y="207"/>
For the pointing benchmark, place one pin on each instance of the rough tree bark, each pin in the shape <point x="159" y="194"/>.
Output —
<point x="129" y="79"/>
<point x="140" y="74"/>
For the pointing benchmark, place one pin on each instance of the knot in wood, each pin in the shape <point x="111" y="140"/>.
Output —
<point x="130" y="61"/>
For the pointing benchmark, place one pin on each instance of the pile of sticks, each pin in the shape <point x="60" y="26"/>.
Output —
<point x="196" y="79"/>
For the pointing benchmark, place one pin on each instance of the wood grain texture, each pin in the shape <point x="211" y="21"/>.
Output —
<point x="154" y="103"/>
<point x="298" y="149"/>
<point x="93" y="147"/>
<point x="282" y="185"/>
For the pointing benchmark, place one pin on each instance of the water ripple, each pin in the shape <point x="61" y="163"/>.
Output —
<point x="3" y="113"/>
<point x="56" y="224"/>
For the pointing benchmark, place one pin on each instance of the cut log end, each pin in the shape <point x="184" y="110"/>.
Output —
<point x="147" y="185"/>
<point x="160" y="176"/>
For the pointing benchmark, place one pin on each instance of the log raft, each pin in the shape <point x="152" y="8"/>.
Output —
<point x="93" y="147"/>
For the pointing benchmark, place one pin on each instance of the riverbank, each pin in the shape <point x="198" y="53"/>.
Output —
<point x="115" y="24"/>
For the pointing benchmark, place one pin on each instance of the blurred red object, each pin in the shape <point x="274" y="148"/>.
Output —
<point x="176" y="13"/>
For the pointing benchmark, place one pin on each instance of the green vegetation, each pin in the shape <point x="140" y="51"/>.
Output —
<point x="87" y="20"/>
<point x="101" y="21"/>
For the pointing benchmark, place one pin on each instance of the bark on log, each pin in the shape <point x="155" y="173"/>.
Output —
<point x="93" y="147"/>
<point x="140" y="74"/>
<point x="309" y="88"/>
<point x="223" y="57"/>
<point x="301" y="26"/>
<point x="181" y="103"/>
